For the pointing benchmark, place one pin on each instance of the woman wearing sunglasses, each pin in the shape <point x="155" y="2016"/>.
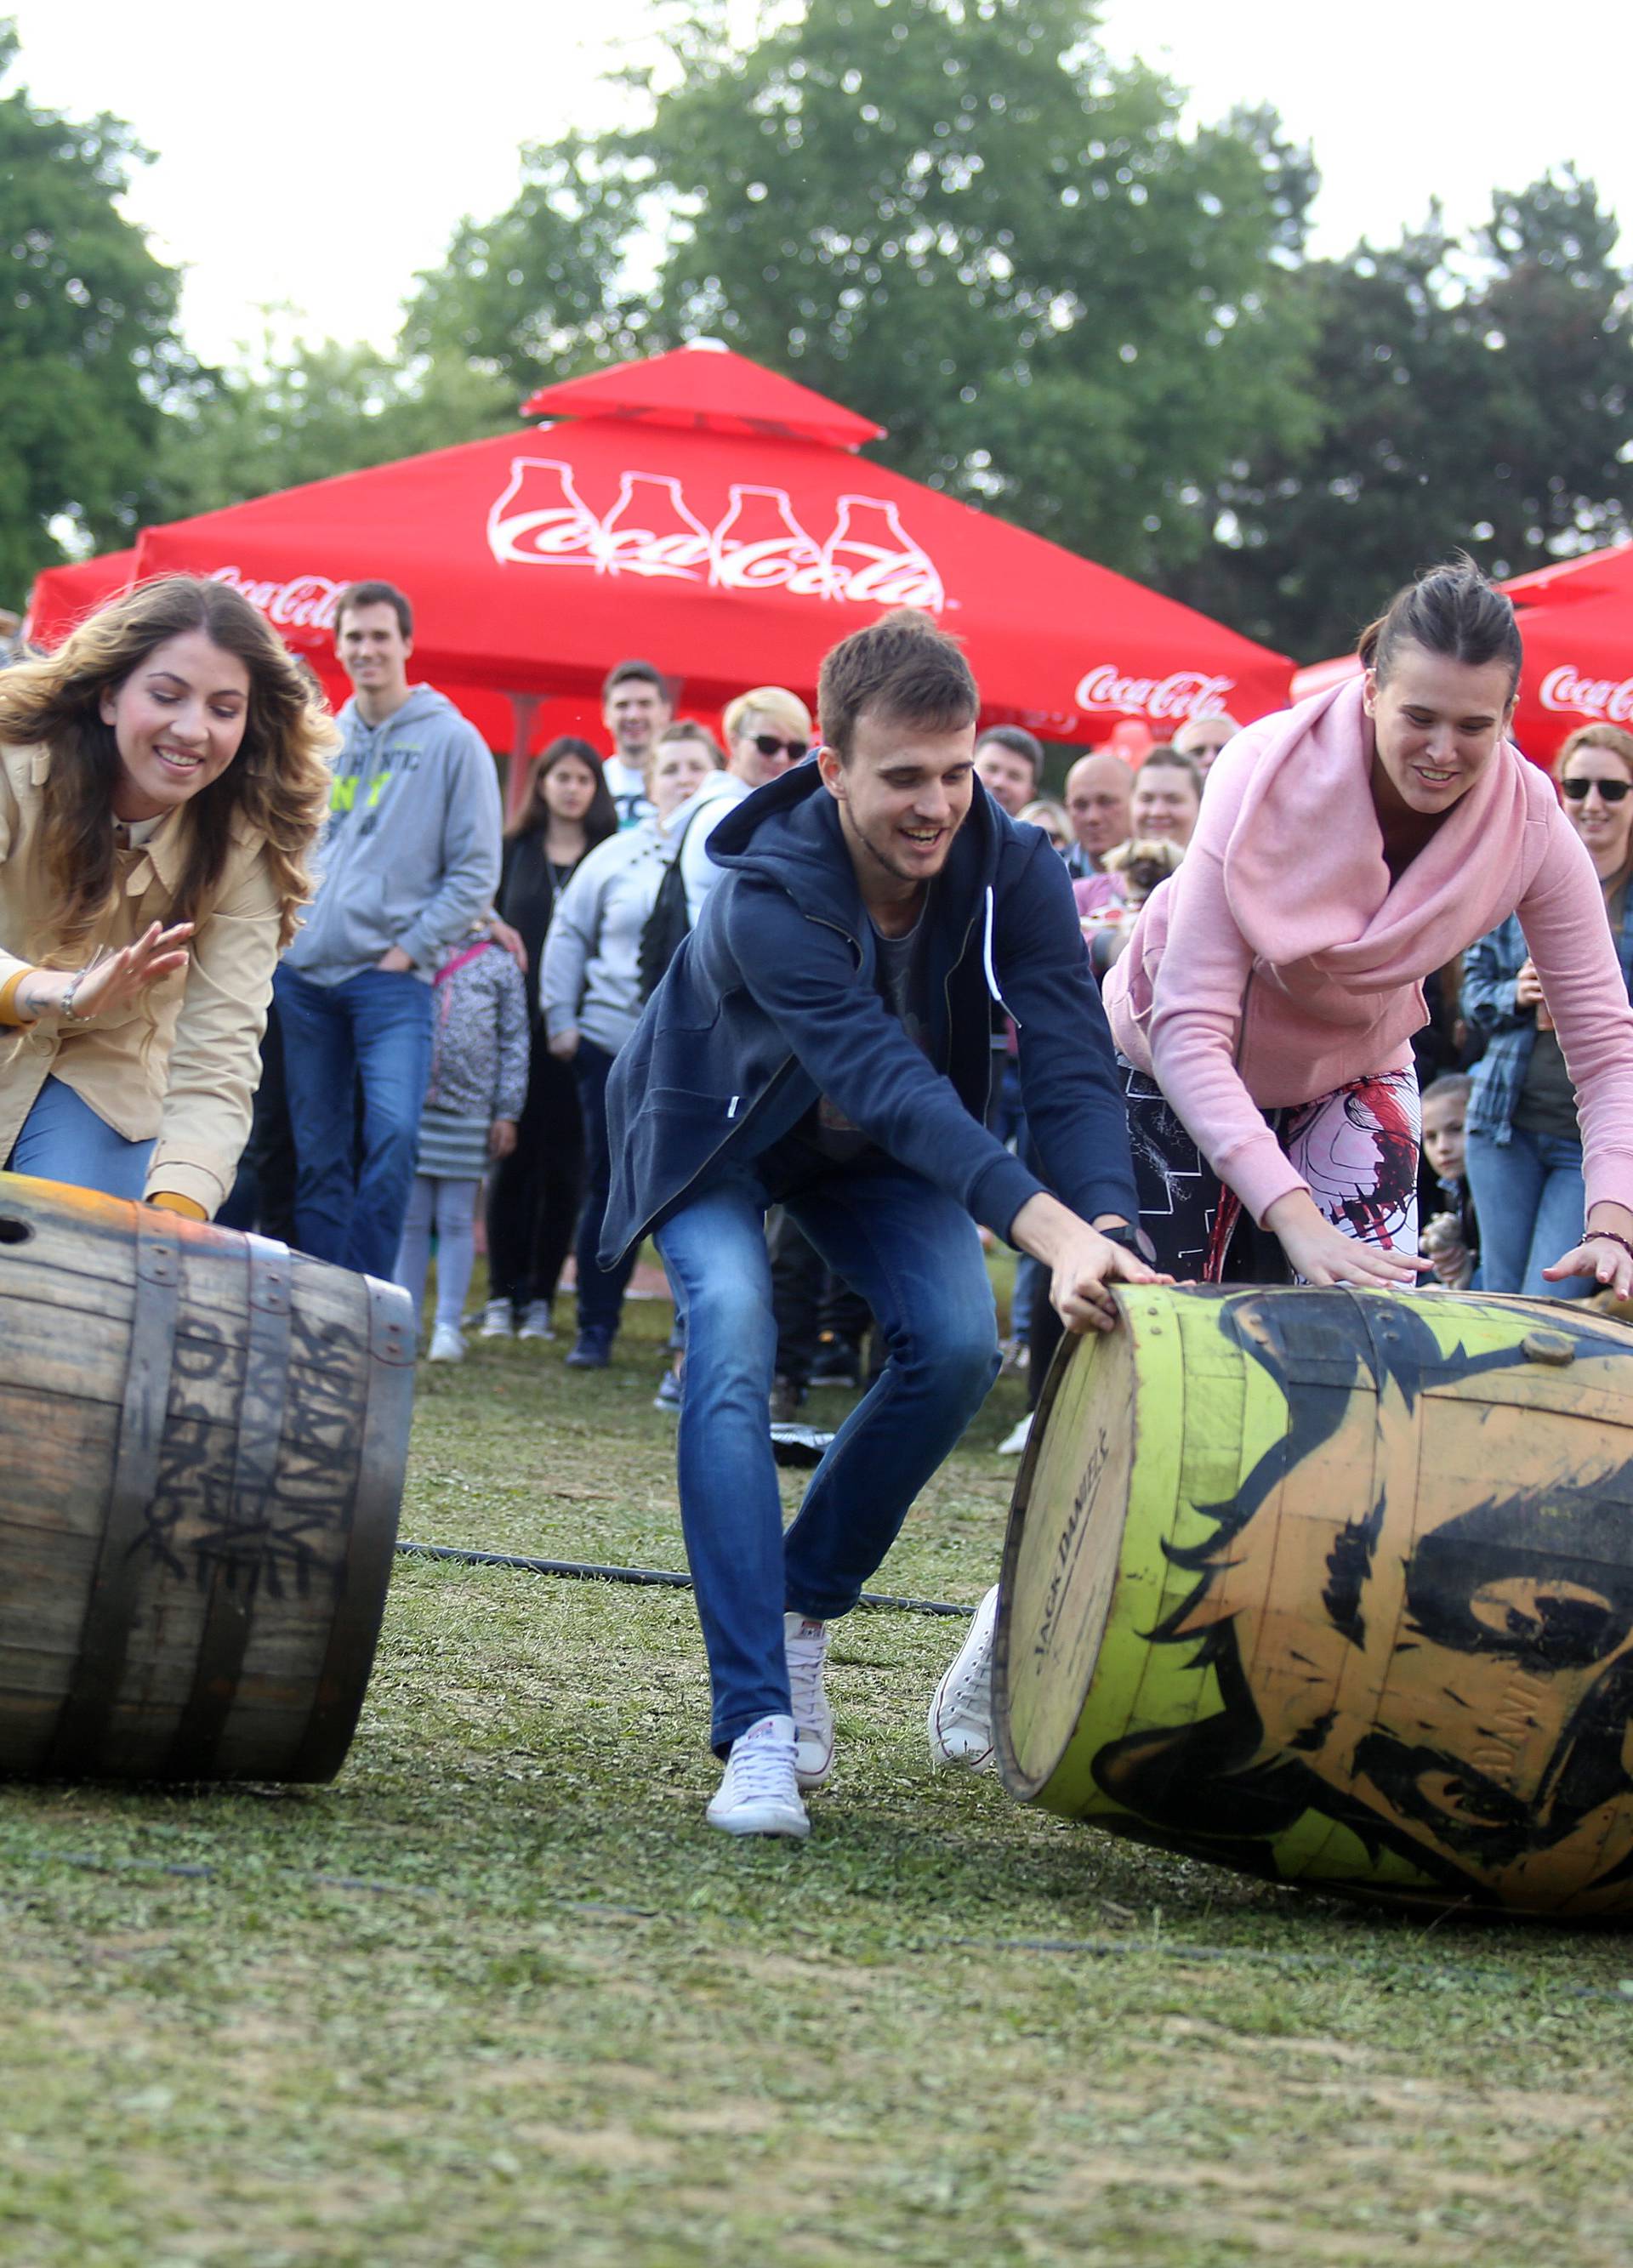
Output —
<point x="765" y="730"/>
<point x="1267" y="998"/>
<point x="1524" y="1146"/>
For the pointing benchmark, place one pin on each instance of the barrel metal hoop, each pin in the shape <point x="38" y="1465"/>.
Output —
<point x="229" y="1611"/>
<point x="370" y="1540"/>
<point x="77" y="1744"/>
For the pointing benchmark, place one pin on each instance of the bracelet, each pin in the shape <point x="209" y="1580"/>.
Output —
<point x="65" y="1005"/>
<point x="1610" y="1235"/>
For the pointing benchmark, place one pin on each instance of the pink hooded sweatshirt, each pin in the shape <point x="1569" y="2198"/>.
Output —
<point x="1281" y="963"/>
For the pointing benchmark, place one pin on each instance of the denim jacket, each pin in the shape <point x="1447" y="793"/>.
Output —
<point x="1489" y="970"/>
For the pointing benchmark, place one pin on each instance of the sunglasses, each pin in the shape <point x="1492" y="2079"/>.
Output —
<point x="769" y="745"/>
<point x="1611" y="789"/>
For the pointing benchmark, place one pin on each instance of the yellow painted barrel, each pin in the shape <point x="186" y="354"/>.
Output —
<point x="203" y="1439"/>
<point x="1335" y="1587"/>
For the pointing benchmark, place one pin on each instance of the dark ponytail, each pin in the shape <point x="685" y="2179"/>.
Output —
<point x="1450" y="611"/>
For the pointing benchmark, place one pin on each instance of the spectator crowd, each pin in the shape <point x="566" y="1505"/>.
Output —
<point x="800" y="1006"/>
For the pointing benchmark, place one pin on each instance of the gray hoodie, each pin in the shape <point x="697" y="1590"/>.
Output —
<point x="411" y="856"/>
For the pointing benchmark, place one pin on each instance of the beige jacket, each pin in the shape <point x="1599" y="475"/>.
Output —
<point x="184" y="1061"/>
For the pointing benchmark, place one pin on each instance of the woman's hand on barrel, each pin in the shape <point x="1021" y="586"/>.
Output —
<point x="1603" y="1253"/>
<point x="1318" y="1253"/>
<point x="1082" y="1262"/>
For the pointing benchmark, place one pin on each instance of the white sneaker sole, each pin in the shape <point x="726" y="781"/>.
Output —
<point x="761" y="1819"/>
<point x="953" y="1745"/>
<point x="815" y="1775"/>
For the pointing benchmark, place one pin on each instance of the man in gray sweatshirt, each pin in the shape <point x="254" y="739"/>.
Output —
<point x="410" y="858"/>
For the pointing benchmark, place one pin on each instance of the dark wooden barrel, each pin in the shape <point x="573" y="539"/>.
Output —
<point x="203" y="1439"/>
<point x="1336" y="1587"/>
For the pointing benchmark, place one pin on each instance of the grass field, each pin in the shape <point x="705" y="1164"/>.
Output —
<point x="498" y="1996"/>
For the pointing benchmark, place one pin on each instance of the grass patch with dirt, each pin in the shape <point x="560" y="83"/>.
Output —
<point x="498" y="1996"/>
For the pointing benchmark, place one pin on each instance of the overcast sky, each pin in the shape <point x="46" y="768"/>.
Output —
<point x="318" y="157"/>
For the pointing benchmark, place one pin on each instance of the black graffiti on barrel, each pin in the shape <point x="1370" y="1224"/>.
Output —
<point x="1533" y="1584"/>
<point x="291" y="1535"/>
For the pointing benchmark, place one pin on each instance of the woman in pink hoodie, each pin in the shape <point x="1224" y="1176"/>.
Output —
<point x="1265" y="1003"/>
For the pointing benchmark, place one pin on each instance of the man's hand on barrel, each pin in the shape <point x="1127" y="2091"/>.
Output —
<point x="1318" y="1253"/>
<point x="1082" y="1262"/>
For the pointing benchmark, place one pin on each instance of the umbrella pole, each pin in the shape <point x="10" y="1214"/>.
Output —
<point x="524" y="708"/>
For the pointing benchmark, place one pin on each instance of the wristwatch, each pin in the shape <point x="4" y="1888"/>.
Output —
<point x="1126" y="1234"/>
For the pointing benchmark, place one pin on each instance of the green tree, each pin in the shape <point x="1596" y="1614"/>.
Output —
<point x="954" y="215"/>
<point x="543" y="288"/>
<point x="1480" y="396"/>
<point x="302" y="412"/>
<point x="958" y="218"/>
<point x="88" y="347"/>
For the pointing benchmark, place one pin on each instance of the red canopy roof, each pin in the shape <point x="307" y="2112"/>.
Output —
<point x="710" y="516"/>
<point x="63" y="596"/>
<point x="1576" y="621"/>
<point x="709" y="387"/>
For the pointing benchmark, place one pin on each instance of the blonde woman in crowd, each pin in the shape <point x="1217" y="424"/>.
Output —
<point x="766" y="731"/>
<point x="162" y="782"/>
<point x="590" y="991"/>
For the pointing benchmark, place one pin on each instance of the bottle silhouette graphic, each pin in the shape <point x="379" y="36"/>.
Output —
<point x="760" y="546"/>
<point x="871" y="557"/>
<point x="652" y="530"/>
<point x="539" y="519"/>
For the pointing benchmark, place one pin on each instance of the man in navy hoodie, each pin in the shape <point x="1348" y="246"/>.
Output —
<point x="822" y="1040"/>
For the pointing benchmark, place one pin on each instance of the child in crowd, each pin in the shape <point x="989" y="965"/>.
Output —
<point x="1452" y="1238"/>
<point x="478" y="1083"/>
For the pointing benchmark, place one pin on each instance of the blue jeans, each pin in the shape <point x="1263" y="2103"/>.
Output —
<point x="62" y="1140"/>
<point x="601" y="1290"/>
<point x="1528" y="1199"/>
<point x="914" y="1255"/>
<point x="375" y="1027"/>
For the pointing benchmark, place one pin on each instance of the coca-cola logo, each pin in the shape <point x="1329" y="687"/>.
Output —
<point x="1603" y="698"/>
<point x="540" y="520"/>
<point x="1183" y="693"/>
<point x="305" y="602"/>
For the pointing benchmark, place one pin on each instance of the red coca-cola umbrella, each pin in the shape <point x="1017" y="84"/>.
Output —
<point x="63" y="596"/>
<point x="1576" y="621"/>
<point x="715" y="518"/>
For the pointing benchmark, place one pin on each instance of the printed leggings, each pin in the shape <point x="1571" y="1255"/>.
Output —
<point x="1356" y="1147"/>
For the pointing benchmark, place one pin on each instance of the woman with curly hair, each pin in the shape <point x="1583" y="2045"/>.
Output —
<point x="162" y="781"/>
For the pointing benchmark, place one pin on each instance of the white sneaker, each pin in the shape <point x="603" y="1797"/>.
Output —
<point x="806" y="1644"/>
<point x="1016" y="1439"/>
<point x="498" y="1323"/>
<point x="536" y="1324"/>
<point x="759" y="1794"/>
<point x="446" y="1343"/>
<point x="961" y="1715"/>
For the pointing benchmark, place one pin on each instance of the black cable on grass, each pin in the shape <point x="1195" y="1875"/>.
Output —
<point x="586" y="1570"/>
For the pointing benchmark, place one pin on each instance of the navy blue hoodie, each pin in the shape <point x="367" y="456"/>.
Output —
<point x="771" y="1003"/>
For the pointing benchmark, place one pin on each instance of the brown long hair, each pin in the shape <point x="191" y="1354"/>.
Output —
<point x="600" y="821"/>
<point x="277" y="784"/>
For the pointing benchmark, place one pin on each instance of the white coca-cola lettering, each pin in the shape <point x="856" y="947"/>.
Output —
<point x="539" y="519"/>
<point x="305" y="602"/>
<point x="1604" y="697"/>
<point x="760" y="546"/>
<point x="652" y="531"/>
<point x="871" y="557"/>
<point x="1183" y="693"/>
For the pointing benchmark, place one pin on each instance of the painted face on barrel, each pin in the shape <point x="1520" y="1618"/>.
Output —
<point x="1477" y="1695"/>
<point x="1448" y="1673"/>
